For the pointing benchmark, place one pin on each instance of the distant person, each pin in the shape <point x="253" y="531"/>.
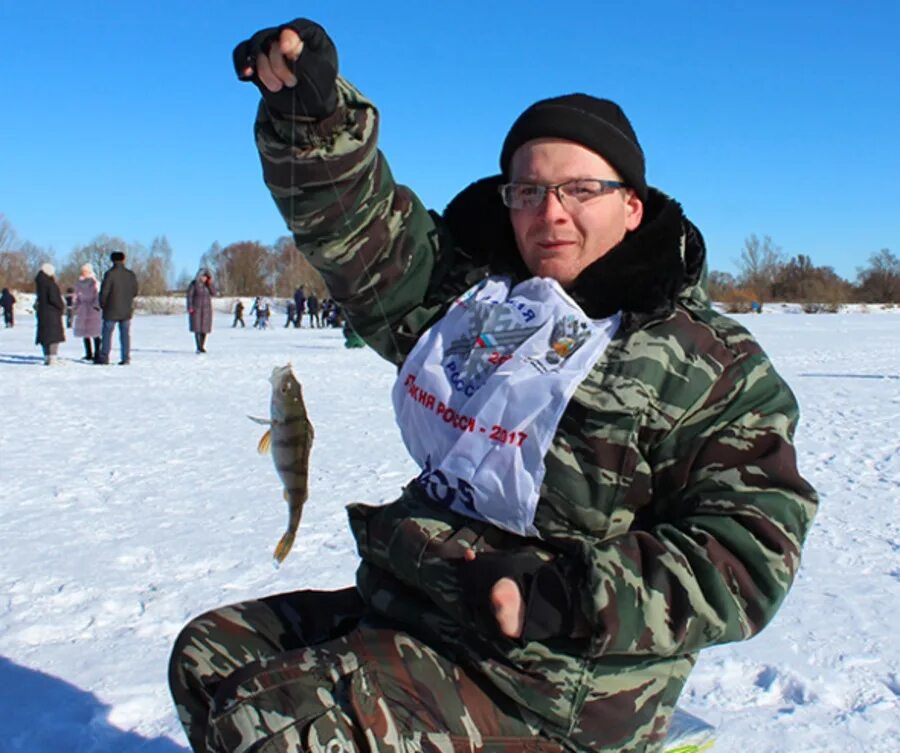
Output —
<point x="49" y="308"/>
<point x="256" y="309"/>
<point x="300" y="304"/>
<point x="88" y="320"/>
<point x="337" y="315"/>
<point x="200" y="293"/>
<point x="8" y="303"/>
<point x="70" y="306"/>
<point x="312" y="308"/>
<point x="117" y="293"/>
<point x="238" y="314"/>
<point x="325" y="313"/>
<point x="291" y="313"/>
<point x="265" y="311"/>
<point x="352" y="338"/>
<point x="331" y="313"/>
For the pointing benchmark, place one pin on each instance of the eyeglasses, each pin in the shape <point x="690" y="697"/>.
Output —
<point x="570" y="194"/>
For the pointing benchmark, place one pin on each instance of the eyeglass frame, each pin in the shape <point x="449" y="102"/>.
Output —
<point x="606" y="185"/>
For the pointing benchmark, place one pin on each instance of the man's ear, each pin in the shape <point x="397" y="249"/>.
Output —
<point x="634" y="210"/>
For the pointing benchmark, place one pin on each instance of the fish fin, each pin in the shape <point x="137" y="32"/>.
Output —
<point x="265" y="443"/>
<point x="263" y="421"/>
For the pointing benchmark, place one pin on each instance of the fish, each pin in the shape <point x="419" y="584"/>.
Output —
<point x="289" y="437"/>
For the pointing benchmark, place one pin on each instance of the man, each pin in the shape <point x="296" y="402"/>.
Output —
<point x="238" y="314"/>
<point x="312" y="308"/>
<point x="299" y="304"/>
<point x="291" y="313"/>
<point x="608" y="478"/>
<point x="117" y="293"/>
<point x="8" y="304"/>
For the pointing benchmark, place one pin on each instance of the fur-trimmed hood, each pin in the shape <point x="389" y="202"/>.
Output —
<point x="654" y="266"/>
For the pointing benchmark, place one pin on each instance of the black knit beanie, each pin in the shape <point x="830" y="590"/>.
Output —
<point x="598" y="124"/>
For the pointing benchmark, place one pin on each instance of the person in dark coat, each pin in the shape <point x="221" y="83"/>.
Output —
<point x="7" y="303"/>
<point x="312" y="308"/>
<point x="291" y="313"/>
<point x="300" y="304"/>
<point x="49" y="308"/>
<point x="254" y="309"/>
<point x="238" y="314"/>
<point x="88" y="322"/>
<point x="117" y="293"/>
<point x="199" y="305"/>
<point x="70" y="306"/>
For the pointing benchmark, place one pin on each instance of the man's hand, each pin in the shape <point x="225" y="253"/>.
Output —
<point x="530" y="597"/>
<point x="272" y="67"/>
<point x="507" y="602"/>
<point x="291" y="84"/>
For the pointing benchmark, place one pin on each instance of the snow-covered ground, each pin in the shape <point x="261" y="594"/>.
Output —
<point x="133" y="498"/>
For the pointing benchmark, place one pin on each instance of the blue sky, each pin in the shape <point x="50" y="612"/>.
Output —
<point x="774" y="118"/>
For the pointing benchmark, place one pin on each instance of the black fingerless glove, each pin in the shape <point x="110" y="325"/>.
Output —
<point x="315" y="95"/>
<point x="548" y="593"/>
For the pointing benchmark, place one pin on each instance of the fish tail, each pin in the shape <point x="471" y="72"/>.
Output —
<point x="295" y="510"/>
<point x="284" y="546"/>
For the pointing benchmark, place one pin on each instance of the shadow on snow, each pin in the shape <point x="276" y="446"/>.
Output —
<point x="19" y="360"/>
<point x="44" y="714"/>
<point x="850" y="376"/>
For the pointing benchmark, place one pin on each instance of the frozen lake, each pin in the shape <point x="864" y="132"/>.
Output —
<point x="133" y="498"/>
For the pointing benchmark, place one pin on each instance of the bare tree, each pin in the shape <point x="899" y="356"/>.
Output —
<point x="96" y="253"/>
<point x="759" y="266"/>
<point x="719" y="284"/>
<point x="137" y="257"/>
<point x="14" y="270"/>
<point x="243" y="268"/>
<point x="801" y="281"/>
<point x="292" y="270"/>
<point x="183" y="280"/>
<point x="7" y="235"/>
<point x="159" y="266"/>
<point x="879" y="282"/>
<point x="154" y="280"/>
<point x="19" y="260"/>
<point x="34" y="256"/>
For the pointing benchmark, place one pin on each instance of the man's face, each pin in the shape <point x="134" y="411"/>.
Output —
<point x="560" y="241"/>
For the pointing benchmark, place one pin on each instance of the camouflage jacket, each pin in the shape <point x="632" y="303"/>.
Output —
<point x="671" y="497"/>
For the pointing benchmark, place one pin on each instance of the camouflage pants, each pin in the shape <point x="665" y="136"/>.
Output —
<point x="302" y="672"/>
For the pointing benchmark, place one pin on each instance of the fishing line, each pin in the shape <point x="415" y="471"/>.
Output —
<point x="344" y="212"/>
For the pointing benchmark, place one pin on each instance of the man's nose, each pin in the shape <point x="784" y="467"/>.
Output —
<point x="552" y="206"/>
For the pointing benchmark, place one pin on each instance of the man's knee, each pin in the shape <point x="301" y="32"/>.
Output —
<point x="185" y="659"/>
<point x="291" y="702"/>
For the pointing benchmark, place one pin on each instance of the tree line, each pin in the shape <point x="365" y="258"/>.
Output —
<point x="766" y="273"/>
<point x="250" y="268"/>
<point x="20" y="261"/>
<point x="245" y="268"/>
